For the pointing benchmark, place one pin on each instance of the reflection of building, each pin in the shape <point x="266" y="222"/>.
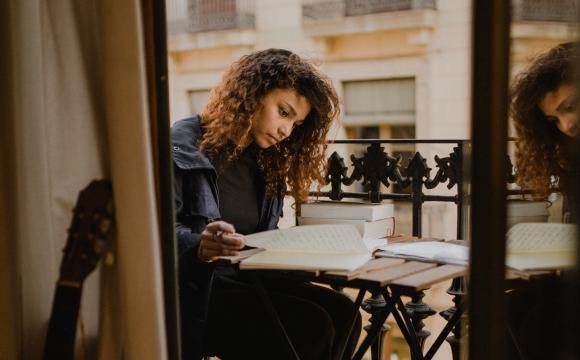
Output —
<point x="539" y="25"/>
<point x="400" y="66"/>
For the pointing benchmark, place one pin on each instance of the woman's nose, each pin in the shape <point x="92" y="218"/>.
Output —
<point x="570" y="125"/>
<point x="284" y="131"/>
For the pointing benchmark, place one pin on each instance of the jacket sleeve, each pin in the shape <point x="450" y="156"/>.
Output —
<point x="187" y="239"/>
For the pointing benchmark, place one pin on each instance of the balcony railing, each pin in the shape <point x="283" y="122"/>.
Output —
<point x="213" y="15"/>
<point x="377" y="169"/>
<point x="545" y="10"/>
<point x="328" y="9"/>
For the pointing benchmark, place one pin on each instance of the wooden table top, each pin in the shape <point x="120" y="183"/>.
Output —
<point x="378" y="272"/>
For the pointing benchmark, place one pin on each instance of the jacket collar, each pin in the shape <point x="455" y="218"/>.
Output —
<point x="186" y="135"/>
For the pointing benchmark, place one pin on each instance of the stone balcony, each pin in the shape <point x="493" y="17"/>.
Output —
<point x="322" y="18"/>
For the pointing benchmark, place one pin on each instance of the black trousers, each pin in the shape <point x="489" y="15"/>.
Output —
<point x="317" y="320"/>
<point x="535" y="320"/>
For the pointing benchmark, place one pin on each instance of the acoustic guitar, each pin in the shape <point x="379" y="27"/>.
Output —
<point x="91" y="228"/>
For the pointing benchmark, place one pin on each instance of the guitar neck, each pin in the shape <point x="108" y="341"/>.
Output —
<point x="60" y="338"/>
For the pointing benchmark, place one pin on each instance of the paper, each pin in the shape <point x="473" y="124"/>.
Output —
<point x="437" y="251"/>
<point x="540" y="237"/>
<point x="541" y="261"/>
<point x="305" y="261"/>
<point x="374" y="244"/>
<point x="311" y="239"/>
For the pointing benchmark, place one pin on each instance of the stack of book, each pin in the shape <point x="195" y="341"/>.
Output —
<point x="526" y="211"/>
<point x="373" y="221"/>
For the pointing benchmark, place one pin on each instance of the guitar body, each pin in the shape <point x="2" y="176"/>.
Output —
<point x="89" y="232"/>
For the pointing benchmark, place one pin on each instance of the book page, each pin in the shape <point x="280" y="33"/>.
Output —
<point x="541" y="237"/>
<point x="541" y="261"/>
<point x="373" y="244"/>
<point x="336" y="238"/>
<point x="305" y="261"/>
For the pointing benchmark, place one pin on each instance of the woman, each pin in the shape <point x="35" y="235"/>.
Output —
<point x="545" y="113"/>
<point x="260" y="137"/>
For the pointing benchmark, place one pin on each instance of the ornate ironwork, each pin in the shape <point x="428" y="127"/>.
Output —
<point x="458" y="290"/>
<point x="364" y="7"/>
<point x="215" y="15"/>
<point x="417" y="310"/>
<point x="374" y="305"/>
<point x="376" y="168"/>
<point x="336" y="175"/>
<point x="332" y="9"/>
<point x="449" y="169"/>
<point x="545" y="10"/>
<point x="510" y="171"/>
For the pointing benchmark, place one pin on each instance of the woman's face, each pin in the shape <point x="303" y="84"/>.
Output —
<point x="281" y="111"/>
<point x="561" y="108"/>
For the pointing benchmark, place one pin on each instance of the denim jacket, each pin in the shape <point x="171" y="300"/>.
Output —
<point x="197" y="204"/>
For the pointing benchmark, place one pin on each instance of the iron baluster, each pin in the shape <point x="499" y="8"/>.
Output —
<point x="336" y="175"/>
<point x="458" y="291"/>
<point x="374" y="168"/>
<point x="374" y="306"/>
<point x="417" y="171"/>
<point x="418" y="310"/>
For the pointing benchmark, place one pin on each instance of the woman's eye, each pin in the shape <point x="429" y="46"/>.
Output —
<point x="570" y="108"/>
<point x="283" y="113"/>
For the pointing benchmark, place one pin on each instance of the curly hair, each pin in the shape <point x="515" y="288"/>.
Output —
<point x="299" y="160"/>
<point x="541" y="147"/>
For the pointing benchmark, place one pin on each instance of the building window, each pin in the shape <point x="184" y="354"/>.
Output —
<point x="197" y="100"/>
<point x="213" y="15"/>
<point x="375" y="102"/>
<point x="364" y="132"/>
<point x="381" y="109"/>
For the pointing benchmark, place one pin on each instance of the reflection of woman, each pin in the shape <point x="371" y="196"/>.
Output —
<point x="545" y="114"/>
<point x="261" y="133"/>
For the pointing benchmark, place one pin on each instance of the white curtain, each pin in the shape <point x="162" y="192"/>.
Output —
<point x="78" y="112"/>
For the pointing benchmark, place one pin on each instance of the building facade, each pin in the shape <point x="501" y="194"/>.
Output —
<point x="401" y="67"/>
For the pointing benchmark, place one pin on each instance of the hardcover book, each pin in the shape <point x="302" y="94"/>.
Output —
<point x="347" y="210"/>
<point x="368" y="229"/>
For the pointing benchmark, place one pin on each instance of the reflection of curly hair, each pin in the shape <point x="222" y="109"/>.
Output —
<point x="298" y="160"/>
<point x="540" y="151"/>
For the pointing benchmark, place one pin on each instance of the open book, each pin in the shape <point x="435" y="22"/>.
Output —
<point x="430" y="251"/>
<point x="309" y="247"/>
<point x="541" y="246"/>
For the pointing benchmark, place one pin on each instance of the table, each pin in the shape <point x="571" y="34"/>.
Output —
<point x="389" y="277"/>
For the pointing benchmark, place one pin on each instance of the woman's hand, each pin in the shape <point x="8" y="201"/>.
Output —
<point x="219" y="239"/>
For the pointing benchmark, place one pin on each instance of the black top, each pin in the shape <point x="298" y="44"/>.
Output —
<point x="238" y="183"/>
